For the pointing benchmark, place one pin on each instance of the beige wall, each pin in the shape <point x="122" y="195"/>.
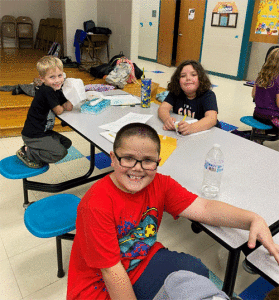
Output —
<point x="55" y="8"/>
<point x="74" y="13"/>
<point x="117" y="15"/>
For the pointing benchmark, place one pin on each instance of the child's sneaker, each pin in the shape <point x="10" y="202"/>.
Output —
<point x="22" y="155"/>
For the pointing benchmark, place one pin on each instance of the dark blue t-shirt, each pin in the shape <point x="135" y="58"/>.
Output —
<point x="195" y="108"/>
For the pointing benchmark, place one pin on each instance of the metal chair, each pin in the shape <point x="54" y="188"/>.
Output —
<point x="53" y="216"/>
<point x="39" y="35"/>
<point x="25" y="31"/>
<point x="8" y="29"/>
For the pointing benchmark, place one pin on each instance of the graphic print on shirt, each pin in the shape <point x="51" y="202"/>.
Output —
<point x="50" y="121"/>
<point x="186" y="110"/>
<point x="138" y="240"/>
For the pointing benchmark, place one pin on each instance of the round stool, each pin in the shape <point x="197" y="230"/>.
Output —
<point x="255" y="124"/>
<point x="53" y="216"/>
<point x="13" y="168"/>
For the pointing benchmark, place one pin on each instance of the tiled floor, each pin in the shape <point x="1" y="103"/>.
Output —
<point x="28" y="264"/>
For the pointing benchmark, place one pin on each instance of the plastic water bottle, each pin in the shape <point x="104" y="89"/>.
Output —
<point x="213" y="171"/>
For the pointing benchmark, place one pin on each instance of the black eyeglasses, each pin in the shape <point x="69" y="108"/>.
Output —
<point x="130" y="162"/>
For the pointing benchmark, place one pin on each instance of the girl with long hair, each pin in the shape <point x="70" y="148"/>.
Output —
<point x="189" y="94"/>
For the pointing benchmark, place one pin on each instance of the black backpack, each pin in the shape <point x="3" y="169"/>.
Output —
<point x="88" y="26"/>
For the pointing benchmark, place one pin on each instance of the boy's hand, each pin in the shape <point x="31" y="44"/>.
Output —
<point x="260" y="231"/>
<point x="169" y="124"/>
<point x="68" y="106"/>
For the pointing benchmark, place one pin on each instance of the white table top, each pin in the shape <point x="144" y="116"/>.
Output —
<point x="250" y="179"/>
<point x="262" y="260"/>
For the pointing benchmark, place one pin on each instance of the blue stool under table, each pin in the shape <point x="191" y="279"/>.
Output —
<point x="250" y="121"/>
<point x="13" y="168"/>
<point x="53" y="216"/>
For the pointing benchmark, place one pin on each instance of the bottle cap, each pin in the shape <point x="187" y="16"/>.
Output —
<point x="216" y="146"/>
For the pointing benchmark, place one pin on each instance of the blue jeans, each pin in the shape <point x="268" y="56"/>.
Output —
<point x="163" y="263"/>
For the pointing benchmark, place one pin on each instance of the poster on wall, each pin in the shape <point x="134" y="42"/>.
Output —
<point x="191" y="14"/>
<point x="268" y="17"/>
<point x="225" y="15"/>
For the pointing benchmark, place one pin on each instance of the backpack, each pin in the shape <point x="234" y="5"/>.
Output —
<point x="54" y="49"/>
<point x="88" y="26"/>
<point x="101" y="30"/>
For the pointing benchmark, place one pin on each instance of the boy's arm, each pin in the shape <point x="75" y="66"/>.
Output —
<point x="118" y="283"/>
<point x="60" y="108"/>
<point x="218" y="213"/>
<point x="164" y="115"/>
<point x="68" y="106"/>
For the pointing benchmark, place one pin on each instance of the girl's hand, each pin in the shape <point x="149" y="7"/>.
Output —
<point x="185" y="128"/>
<point x="260" y="231"/>
<point x="169" y="124"/>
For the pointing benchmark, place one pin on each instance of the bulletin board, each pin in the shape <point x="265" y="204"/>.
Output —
<point x="225" y="14"/>
<point x="265" y="22"/>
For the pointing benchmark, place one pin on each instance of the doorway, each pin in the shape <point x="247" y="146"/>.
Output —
<point x="180" y="31"/>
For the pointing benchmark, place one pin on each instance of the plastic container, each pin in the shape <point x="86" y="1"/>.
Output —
<point x="213" y="171"/>
<point x="145" y="92"/>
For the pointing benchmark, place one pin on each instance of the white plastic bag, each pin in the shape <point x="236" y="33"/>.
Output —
<point x="74" y="90"/>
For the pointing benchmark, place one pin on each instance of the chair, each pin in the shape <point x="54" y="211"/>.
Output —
<point x="13" y="168"/>
<point x="53" y="216"/>
<point x="8" y="29"/>
<point x="25" y="30"/>
<point x="250" y="121"/>
<point x="39" y="35"/>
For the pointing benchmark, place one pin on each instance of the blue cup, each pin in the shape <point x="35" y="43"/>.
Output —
<point x="145" y="92"/>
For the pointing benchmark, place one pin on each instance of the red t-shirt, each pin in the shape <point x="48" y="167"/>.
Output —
<point x="113" y="225"/>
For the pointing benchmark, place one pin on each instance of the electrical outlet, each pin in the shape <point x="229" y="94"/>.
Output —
<point x="111" y="46"/>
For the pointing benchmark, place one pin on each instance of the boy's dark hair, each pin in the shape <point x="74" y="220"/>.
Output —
<point x="204" y="86"/>
<point x="136" y="129"/>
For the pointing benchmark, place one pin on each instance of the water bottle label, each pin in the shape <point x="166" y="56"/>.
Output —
<point x="213" y="168"/>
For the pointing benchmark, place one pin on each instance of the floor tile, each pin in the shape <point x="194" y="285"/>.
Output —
<point x="36" y="268"/>
<point x="11" y="207"/>
<point x="3" y="253"/>
<point x="56" y="290"/>
<point x="17" y="239"/>
<point x="12" y="144"/>
<point x="9" y="289"/>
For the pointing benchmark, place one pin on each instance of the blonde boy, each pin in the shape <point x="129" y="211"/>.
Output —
<point x="42" y="145"/>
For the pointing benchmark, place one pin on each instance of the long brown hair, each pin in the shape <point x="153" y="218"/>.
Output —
<point x="204" y="82"/>
<point x="270" y="70"/>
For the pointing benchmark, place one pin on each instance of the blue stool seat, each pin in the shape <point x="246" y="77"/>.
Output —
<point x="13" y="168"/>
<point x="52" y="216"/>
<point x="250" y="121"/>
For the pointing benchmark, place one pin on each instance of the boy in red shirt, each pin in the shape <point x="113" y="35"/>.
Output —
<point x="115" y="254"/>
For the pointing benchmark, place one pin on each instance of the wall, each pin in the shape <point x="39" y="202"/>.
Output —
<point x="116" y="15"/>
<point x="55" y="9"/>
<point x="35" y="9"/>
<point x="148" y="29"/>
<point x="135" y="30"/>
<point x="221" y="46"/>
<point x="74" y="13"/>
